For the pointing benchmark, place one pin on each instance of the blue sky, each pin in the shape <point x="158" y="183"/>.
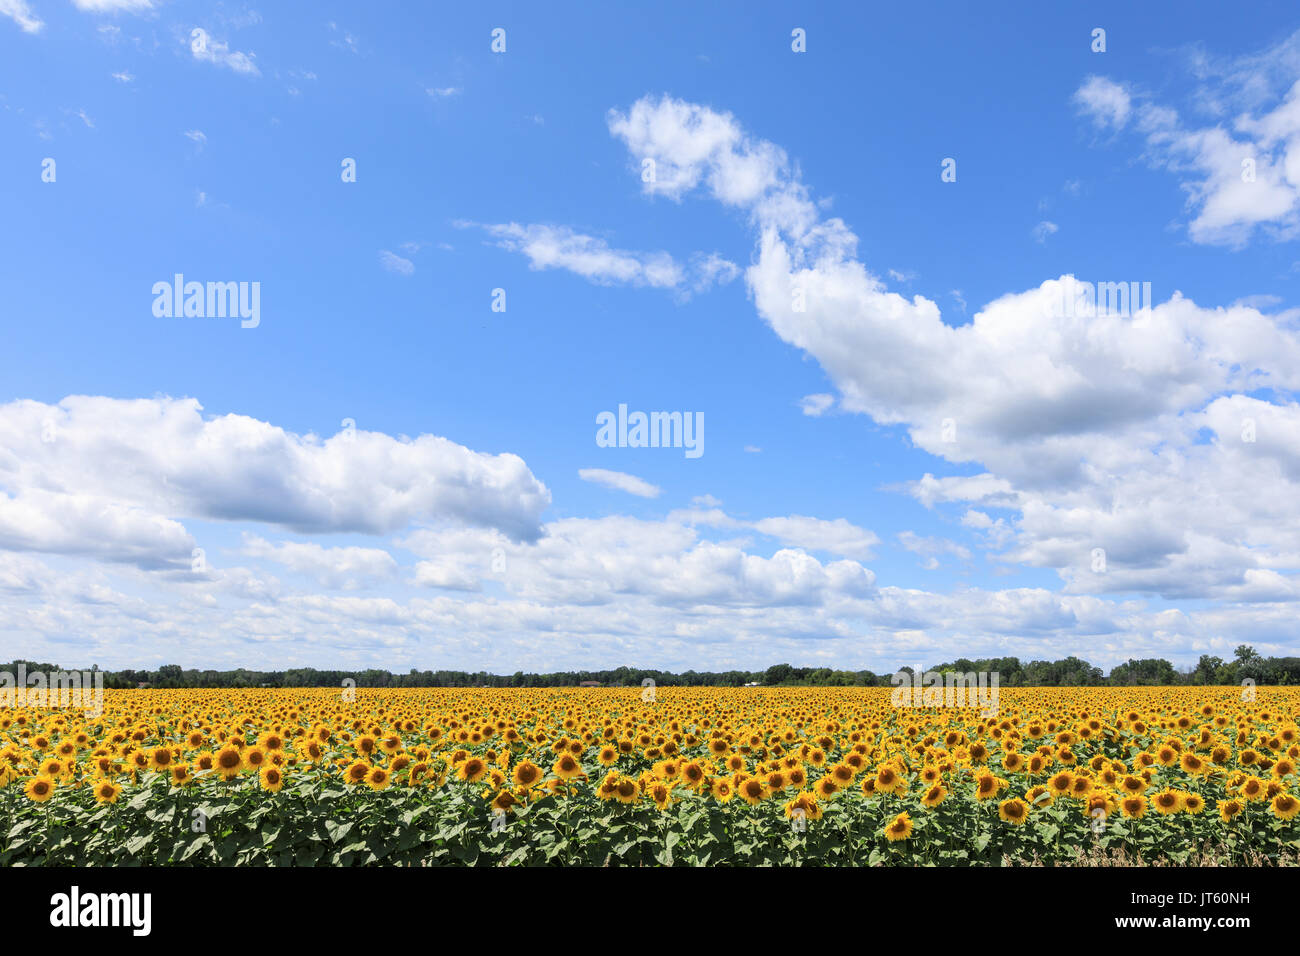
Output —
<point x="828" y="521"/>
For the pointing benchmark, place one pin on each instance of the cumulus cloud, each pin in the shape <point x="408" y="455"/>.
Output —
<point x="1105" y="101"/>
<point x="156" y="459"/>
<point x="1085" y="423"/>
<point x="340" y="568"/>
<point x="665" y="563"/>
<point x="817" y="534"/>
<point x="1241" y="174"/>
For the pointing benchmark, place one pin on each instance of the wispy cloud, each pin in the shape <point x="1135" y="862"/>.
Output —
<point x="620" y="481"/>
<point x="1043" y="230"/>
<point x="113" y="6"/>
<point x="814" y="406"/>
<point x="20" y="13"/>
<point x="395" y="263"/>
<point x="206" y="49"/>
<point x="559" y="247"/>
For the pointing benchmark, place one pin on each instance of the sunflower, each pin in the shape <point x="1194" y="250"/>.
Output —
<point x="1167" y="801"/>
<point x="472" y="770"/>
<point x="934" y="796"/>
<point x="826" y="787"/>
<point x="1193" y="802"/>
<point x="106" y="791"/>
<point x="607" y="755"/>
<point x="900" y="828"/>
<point x="1014" y="811"/>
<point x="805" y="803"/>
<point x="1133" y="785"/>
<point x="229" y="761"/>
<point x="1254" y="789"/>
<point x="752" y="790"/>
<point x="503" y="801"/>
<point x="526" y="773"/>
<point x="691" y="774"/>
<point x="886" y="779"/>
<point x="626" y="790"/>
<point x="378" y="778"/>
<point x="1134" y="808"/>
<point x="1039" y="796"/>
<point x="40" y="788"/>
<point x="1285" y="806"/>
<point x="1060" y="783"/>
<point x="357" y="772"/>
<point x="1191" y="763"/>
<point x="986" y="786"/>
<point x="662" y="794"/>
<point x="1230" y="808"/>
<point x="567" y="767"/>
<point x="272" y="779"/>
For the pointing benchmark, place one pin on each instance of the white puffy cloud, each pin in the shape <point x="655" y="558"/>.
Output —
<point x="1085" y="422"/>
<point x="1107" y="102"/>
<point x="1241" y="173"/>
<point x="610" y="560"/>
<point x="340" y="568"/>
<point x="39" y="520"/>
<point x="817" y="534"/>
<point x="152" y="458"/>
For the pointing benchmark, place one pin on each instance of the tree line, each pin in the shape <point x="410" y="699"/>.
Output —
<point x="1246" y="664"/>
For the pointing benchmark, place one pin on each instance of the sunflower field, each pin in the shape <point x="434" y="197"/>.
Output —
<point x="694" y="776"/>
